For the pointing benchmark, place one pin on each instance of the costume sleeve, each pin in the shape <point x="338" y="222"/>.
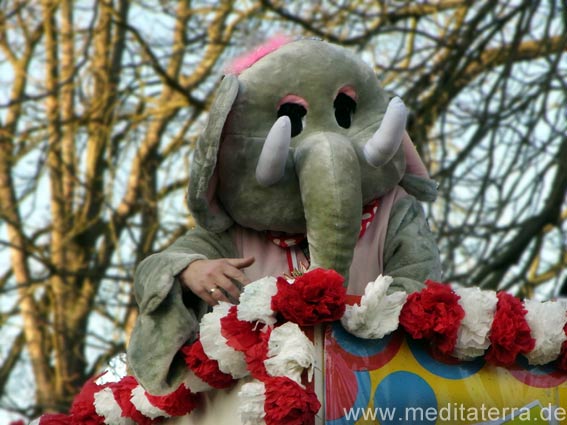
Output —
<point x="168" y="318"/>
<point x="411" y="255"/>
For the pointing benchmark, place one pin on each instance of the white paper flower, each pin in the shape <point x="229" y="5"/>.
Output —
<point x="144" y="406"/>
<point x="256" y="301"/>
<point x="251" y="409"/>
<point x="473" y="334"/>
<point x="290" y="352"/>
<point x="215" y="347"/>
<point x="546" y="321"/>
<point x="378" y="314"/>
<point x="107" y="407"/>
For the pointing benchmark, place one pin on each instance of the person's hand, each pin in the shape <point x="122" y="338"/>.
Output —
<point x="216" y="280"/>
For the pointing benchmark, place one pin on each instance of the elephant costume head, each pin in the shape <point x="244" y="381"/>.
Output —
<point x="299" y="141"/>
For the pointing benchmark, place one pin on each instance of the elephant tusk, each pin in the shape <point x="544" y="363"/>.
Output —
<point x="271" y="164"/>
<point x="386" y="141"/>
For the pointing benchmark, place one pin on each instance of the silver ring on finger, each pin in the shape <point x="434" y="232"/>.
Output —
<point x="212" y="291"/>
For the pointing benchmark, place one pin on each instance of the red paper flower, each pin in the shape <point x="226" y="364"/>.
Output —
<point x="83" y="410"/>
<point x="288" y="403"/>
<point x="205" y="368"/>
<point x="239" y="334"/>
<point x="55" y="419"/>
<point x="510" y="333"/>
<point x="178" y="403"/>
<point x="249" y="339"/>
<point x="433" y="313"/>
<point x="256" y="354"/>
<point x="122" y="391"/>
<point x="317" y="296"/>
<point x="562" y="359"/>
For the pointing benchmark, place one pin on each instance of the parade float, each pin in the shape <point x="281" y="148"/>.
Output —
<point x="441" y="355"/>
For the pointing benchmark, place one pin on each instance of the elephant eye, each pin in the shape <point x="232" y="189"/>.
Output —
<point x="295" y="112"/>
<point x="345" y="106"/>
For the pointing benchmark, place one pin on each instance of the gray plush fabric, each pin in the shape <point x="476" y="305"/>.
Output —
<point x="207" y="211"/>
<point x="168" y="317"/>
<point x="423" y="189"/>
<point x="411" y="255"/>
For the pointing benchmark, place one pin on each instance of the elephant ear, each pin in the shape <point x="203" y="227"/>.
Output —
<point x="423" y="189"/>
<point x="202" y="199"/>
<point x="416" y="179"/>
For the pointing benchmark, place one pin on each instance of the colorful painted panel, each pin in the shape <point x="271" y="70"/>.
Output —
<point x="399" y="380"/>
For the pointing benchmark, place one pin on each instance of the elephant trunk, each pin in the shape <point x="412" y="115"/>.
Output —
<point x="329" y="177"/>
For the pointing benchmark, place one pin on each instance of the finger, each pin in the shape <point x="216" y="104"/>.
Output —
<point x="206" y="296"/>
<point x="217" y="294"/>
<point x="229" y="297"/>
<point x="238" y="278"/>
<point x="241" y="263"/>
<point x="225" y="283"/>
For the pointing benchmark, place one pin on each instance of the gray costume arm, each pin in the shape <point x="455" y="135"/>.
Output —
<point x="411" y="255"/>
<point x="168" y="317"/>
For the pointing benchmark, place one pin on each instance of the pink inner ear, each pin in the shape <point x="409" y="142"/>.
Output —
<point x="245" y="61"/>
<point x="414" y="164"/>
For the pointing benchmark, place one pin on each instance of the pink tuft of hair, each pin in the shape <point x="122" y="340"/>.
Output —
<point x="245" y="61"/>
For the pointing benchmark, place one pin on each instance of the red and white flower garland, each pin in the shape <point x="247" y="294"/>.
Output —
<point x="261" y="339"/>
